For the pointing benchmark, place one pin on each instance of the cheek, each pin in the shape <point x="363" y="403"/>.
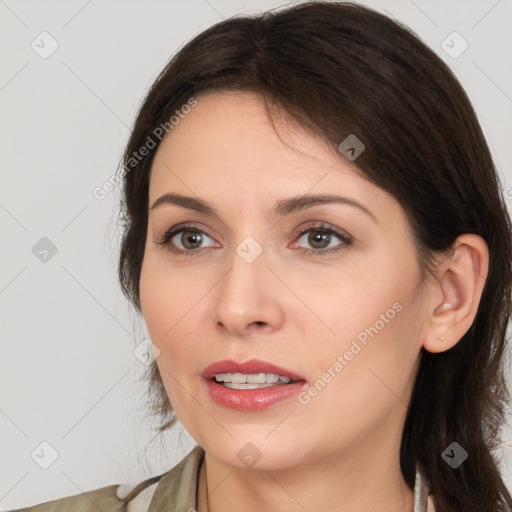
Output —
<point x="164" y="311"/>
<point x="372" y="319"/>
<point x="171" y="310"/>
<point x="156" y="302"/>
<point x="361" y="302"/>
<point x="167" y="299"/>
<point x="358" y="384"/>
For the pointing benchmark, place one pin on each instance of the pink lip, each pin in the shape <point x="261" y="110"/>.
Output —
<point x="251" y="366"/>
<point x="250" y="399"/>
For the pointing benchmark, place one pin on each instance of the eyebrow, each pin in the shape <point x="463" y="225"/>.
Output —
<point x="282" y="207"/>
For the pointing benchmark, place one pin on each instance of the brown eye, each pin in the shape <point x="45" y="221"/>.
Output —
<point x="320" y="238"/>
<point x="185" y="240"/>
<point x="190" y="239"/>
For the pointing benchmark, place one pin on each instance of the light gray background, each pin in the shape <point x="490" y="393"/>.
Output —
<point x="68" y="372"/>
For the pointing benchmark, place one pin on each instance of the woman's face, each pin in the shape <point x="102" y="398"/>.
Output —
<point x="342" y="312"/>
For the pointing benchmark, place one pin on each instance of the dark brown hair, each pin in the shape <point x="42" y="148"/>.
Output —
<point x="338" y="69"/>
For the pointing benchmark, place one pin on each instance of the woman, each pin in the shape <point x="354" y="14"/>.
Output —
<point x="316" y="238"/>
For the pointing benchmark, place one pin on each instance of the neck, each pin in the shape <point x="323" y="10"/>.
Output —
<point x="364" y="477"/>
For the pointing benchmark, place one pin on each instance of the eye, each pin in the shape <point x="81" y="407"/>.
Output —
<point x="187" y="239"/>
<point x="320" y="236"/>
<point x="183" y="239"/>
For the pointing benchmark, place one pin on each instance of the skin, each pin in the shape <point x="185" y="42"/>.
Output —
<point x="340" y="451"/>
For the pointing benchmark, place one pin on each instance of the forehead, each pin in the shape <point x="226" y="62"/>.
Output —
<point x="227" y="149"/>
<point x="235" y="126"/>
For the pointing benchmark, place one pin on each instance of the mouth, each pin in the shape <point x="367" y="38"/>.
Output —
<point x="252" y="380"/>
<point x="250" y="385"/>
<point x="254" y="371"/>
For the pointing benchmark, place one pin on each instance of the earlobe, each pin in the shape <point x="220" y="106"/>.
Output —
<point x="460" y="277"/>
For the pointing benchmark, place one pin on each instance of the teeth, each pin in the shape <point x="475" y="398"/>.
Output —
<point x="257" y="378"/>
<point x="261" y="379"/>
<point x="233" y="385"/>
<point x="238" y="378"/>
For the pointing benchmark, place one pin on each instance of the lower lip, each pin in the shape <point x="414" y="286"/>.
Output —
<point x="252" y="399"/>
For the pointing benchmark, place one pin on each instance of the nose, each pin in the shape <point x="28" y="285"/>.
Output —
<point x="248" y="302"/>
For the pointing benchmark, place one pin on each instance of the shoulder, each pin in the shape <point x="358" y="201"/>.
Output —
<point x="175" y="483"/>
<point x="104" y="498"/>
<point x="113" y="498"/>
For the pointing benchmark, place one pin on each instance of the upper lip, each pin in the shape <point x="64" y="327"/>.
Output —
<point x="247" y="367"/>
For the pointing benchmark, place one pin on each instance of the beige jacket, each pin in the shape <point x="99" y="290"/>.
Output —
<point x="174" y="490"/>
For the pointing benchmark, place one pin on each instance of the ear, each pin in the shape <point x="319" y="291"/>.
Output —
<point x="455" y="293"/>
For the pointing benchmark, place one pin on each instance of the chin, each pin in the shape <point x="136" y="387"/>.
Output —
<point x="255" y="452"/>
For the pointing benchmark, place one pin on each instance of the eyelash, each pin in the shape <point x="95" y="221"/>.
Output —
<point x="322" y="228"/>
